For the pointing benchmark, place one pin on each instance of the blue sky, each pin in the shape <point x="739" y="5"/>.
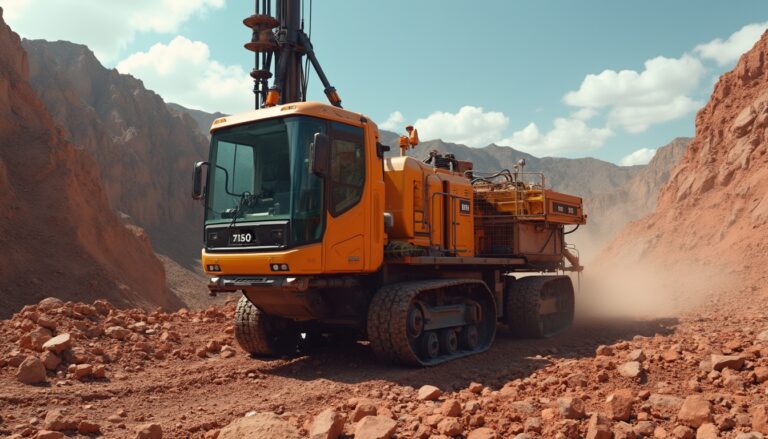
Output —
<point x="511" y="72"/>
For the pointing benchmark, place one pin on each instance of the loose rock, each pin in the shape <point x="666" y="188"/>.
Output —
<point x="329" y="424"/>
<point x="31" y="371"/>
<point x="373" y="427"/>
<point x="571" y="408"/>
<point x="58" y="344"/>
<point x="259" y="426"/>
<point x="149" y="431"/>
<point x="630" y="369"/>
<point x="720" y="362"/>
<point x="695" y="411"/>
<point x="620" y="405"/>
<point x="428" y="393"/>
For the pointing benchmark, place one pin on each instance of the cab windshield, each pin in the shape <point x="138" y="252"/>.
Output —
<point x="261" y="172"/>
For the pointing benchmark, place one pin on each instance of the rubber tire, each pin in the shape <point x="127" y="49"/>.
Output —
<point x="521" y="307"/>
<point x="252" y="331"/>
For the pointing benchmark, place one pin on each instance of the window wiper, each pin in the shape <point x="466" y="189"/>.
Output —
<point x="245" y="198"/>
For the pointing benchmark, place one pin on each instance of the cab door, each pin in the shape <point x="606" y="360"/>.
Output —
<point x="348" y="210"/>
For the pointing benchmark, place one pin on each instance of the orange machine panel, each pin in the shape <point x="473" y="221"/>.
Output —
<point x="459" y="221"/>
<point x="563" y="208"/>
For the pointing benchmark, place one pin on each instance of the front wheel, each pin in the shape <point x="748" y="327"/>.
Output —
<point x="261" y="334"/>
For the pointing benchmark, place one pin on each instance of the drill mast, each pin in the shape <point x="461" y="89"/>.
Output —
<point x="279" y="44"/>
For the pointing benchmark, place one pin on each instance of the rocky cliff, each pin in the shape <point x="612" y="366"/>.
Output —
<point x="611" y="210"/>
<point x="58" y="234"/>
<point x="204" y="120"/>
<point x="144" y="150"/>
<point x="713" y="212"/>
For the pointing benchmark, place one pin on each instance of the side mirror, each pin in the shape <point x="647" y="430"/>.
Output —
<point x="197" y="181"/>
<point x="320" y="154"/>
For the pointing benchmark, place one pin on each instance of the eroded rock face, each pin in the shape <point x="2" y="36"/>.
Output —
<point x="715" y="205"/>
<point x="54" y="206"/>
<point x="144" y="150"/>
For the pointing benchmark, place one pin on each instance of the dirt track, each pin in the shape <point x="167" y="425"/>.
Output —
<point x="189" y="395"/>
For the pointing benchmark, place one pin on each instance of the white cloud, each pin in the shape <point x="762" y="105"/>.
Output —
<point x="183" y="72"/>
<point x="637" y="100"/>
<point x="662" y="80"/>
<point x="471" y="126"/>
<point x="640" y="157"/>
<point x="567" y="136"/>
<point x="394" y="122"/>
<point x="107" y="27"/>
<point x="637" y="119"/>
<point x="584" y="114"/>
<point x="728" y="51"/>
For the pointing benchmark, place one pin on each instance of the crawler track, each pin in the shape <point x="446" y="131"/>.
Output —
<point x="390" y="317"/>
<point x="525" y="312"/>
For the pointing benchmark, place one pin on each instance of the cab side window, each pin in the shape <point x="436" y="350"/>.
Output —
<point x="347" y="167"/>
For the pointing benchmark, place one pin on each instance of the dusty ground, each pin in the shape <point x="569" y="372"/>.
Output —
<point x="165" y="370"/>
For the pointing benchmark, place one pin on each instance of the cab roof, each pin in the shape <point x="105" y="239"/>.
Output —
<point x="316" y="109"/>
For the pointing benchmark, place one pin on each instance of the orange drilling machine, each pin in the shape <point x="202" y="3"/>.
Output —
<point x="327" y="235"/>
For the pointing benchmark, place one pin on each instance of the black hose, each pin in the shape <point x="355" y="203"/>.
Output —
<point x="571" y="231"/>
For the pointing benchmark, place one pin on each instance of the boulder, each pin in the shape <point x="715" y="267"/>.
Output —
<point x="81" y="371"/>
<point x="708" y="431"/>
<point x="50" y="303"/>
<point x="619" y="405"/>
<point x="720" y="362"/>
<point x="59" y="420"/>
<point x="695" y="411"/>
<point x="451" y="408"/>
<point x="364" y="408"/>
<point x="35" y="339"/>
<point x="328" y="424"/>
<point x="571" y="408"/>
<point x="636" y="355"/>
<point x="599" y="427"/>
<point x="450" y="427"/>
<point x="665" y="406"/>
<point x="48" y="434"/>
<point x="259" y="426"/>
<point x="683" y="432"/>
<point x="373" y="427"/>
<point x="31" y="371"/>
<point x="149" y="431"/>
<point x="50" y="360"/>
<point x="483" y="433"/>
<point x="630" y="369"/>
<point x="759" y="416"/>
<point x="428" y="393"/>
<point x="58" y="344"/>
<point x="117" y="332"/>
<point x="88" y="428"/>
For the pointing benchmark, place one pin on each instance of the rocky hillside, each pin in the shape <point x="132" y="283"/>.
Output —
<point x="144" y="150"/>
<point x="58" y="233"/>
<point x="204" y="120"/>
<point x="715" y="206"/>
<point x="610" y="211"/>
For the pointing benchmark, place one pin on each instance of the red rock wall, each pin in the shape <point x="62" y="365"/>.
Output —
<point x="713" y="212"/>
<point x="58" y="234"/>
<point x="144" y="152"/>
